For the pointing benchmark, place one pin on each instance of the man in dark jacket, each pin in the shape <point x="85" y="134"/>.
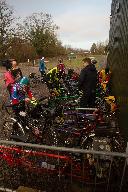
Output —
<point x="87" y="83"/>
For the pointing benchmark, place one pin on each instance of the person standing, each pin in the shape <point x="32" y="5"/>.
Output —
<point x="16" y="71"/>
<point x="21" y="94"/>
<point x="8" y="78"/>
<point x="105" y="79"/>
<point x="42" y="67"/>
<point x="87" y="83"/>
<point x="61" y="68"/>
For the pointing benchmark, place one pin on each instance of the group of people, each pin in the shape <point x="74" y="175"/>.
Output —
<point x="19" y="89"/>
<point x="55" y="72"/>
<point x="88" y="79"/>
<point x="17" y="85"/>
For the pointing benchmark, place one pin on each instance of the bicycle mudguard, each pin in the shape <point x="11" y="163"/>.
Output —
<point x="19" y="138"/>
<point x="19" y="124"/>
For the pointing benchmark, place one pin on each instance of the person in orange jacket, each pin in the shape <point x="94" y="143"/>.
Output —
<point x="104" y="78"/>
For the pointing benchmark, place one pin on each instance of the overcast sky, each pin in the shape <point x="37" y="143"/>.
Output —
<point x="81" y="22"/>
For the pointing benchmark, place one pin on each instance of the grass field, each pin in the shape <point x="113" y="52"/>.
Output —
<point x="77" y="63"/>
<point x="74" y="63"/>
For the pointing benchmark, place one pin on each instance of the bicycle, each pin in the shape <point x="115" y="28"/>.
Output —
<point x="36" y="80"/>
<point x="30" y="125"/>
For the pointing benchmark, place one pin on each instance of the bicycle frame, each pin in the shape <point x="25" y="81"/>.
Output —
<point x="68" y="165"/>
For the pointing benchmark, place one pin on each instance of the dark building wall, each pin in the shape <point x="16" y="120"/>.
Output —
<point x="118" y="57"/>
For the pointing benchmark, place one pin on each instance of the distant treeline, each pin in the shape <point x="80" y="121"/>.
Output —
<point x="31" y="38"/>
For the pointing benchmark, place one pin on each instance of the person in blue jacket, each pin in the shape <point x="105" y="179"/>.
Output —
<point x="42" y="66"/>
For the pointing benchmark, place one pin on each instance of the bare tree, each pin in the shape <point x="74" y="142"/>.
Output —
<point x="93" y="49"/>
<point x="40" y="30"/>
<point x="6" y="29"/>
<point x="99" y="47"/>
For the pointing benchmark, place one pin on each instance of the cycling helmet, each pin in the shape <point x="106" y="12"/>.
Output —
<point x="24" y="81"/>
<point x="93" y="61"/>
<point x="42" y="58"/>
<point x="60" y="60"/>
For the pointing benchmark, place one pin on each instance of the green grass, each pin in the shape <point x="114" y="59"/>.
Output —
<point x="77" y="63"/>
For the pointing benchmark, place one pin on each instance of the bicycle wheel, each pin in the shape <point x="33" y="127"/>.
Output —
<point x="12" y="127"/>
<point x="86" y="143"/>
<point x="7" y="129"/>
<point x="118" y="144"/>
<point x="50" y="137"/>
<point x="6" y="111"/>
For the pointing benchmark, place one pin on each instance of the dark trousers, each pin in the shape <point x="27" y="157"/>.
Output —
<point x="42" y="73"/>
<point x="88" y="99"/>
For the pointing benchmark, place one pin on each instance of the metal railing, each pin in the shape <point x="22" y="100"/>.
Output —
<point x="50" y="168"/>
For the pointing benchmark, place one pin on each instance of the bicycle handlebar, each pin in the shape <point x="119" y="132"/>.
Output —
<point x="34" y="102"/>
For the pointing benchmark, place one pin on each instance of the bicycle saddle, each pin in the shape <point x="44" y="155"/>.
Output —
<point x="90" y="117"/>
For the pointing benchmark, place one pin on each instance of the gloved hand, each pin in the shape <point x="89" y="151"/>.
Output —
<point x="27" y="100"/>
<point x="33" y="101"/>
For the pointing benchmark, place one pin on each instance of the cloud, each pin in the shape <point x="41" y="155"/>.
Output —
<point x="78" y="27"/>
<point x="81" y="22"/>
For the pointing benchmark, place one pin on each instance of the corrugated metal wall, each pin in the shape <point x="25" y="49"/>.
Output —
<point x="118" y="57"/>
